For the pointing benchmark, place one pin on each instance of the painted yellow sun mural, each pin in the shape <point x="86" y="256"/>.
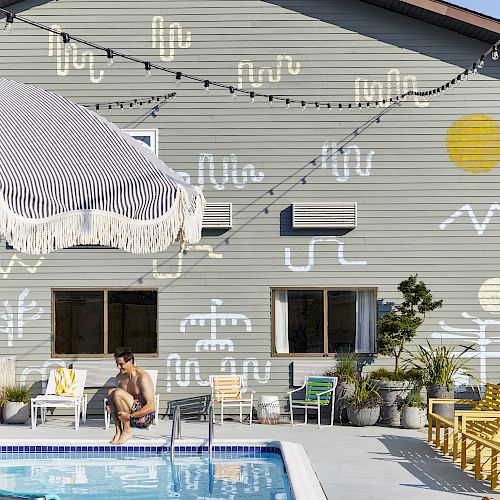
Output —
<point x="473" y="143"/>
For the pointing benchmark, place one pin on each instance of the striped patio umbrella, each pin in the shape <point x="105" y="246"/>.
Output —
<point x="69" y="177"/>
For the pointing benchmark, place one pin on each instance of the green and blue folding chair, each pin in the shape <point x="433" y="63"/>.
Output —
<point x="320" y="392"/>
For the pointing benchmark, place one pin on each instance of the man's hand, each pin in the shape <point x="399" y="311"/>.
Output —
<point x="123" y="416"/>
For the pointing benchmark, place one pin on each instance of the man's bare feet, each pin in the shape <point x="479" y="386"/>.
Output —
<point x="116" y="438"/>
<point x="125" y="436"/>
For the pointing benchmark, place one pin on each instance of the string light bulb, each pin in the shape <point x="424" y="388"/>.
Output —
<point x="329" y="106"/>
<point x="340" y="107"/>
<point x="480" y="64"/>
<point x="97" y="107"/>
<point x="178" y="77"/>
<point x="474" y="68"/>
<point x="287" y="102"/>
<point x="147" y="68"/>
<point x="9" y="22"/>
<point x="110" y="55"/>
<point x="318" y="108"/>
<point x="232" y="92"/>
<point x="271" y="99"/>
<point x="206" y="86"/>
<point x="252" y="97"/>
<point x="67" y="42"/>
<point x="303" y="104"/>
<point x="494" y="53"/>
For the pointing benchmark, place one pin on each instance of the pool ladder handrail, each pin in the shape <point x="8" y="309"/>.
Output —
<point x="176" y="429"/>
<point x="210" y="428"/>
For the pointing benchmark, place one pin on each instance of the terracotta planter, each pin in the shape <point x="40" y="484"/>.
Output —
<point x="413" y="418"/>
<point x="363" y="416"/>
<point x="343" y="391"/>
<point x="16" y="413"/>
<point x="389" y="413"/>
<point x="440" y="391"/>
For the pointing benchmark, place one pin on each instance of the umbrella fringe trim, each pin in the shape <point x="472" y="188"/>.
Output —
<point x="94" y="227"/>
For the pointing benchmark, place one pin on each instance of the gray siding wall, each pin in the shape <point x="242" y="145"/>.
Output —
<point x="412" y="187"/>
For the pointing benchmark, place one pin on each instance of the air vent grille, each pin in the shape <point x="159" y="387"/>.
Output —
<point x="218" y="216"/>
<point x="328" y="215"/>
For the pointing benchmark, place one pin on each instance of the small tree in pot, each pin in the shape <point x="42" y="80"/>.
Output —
<point x="14" y="400"/>
<point x="346" y="371"/>
<point x="363" y="408"/>
<point x="394" y="330"/>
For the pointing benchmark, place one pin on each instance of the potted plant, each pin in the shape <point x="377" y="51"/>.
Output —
<point x="346" y="370"/>
<point x="413" y="409"/>
<point x="394" y="330"/>
<point x="15" y="399"/>
<point x="438" y="367"/>
<point x="363" y="407"/>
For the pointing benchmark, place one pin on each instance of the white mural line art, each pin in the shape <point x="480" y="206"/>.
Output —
<point x="293" y="68"/>
<point x="43" y="370"/>
<point x="247" y="172"/>
<point x="214" y="318"/>
<point x="331" y="152"/>
<point x="480" y="227"/>
<point x="158" y="38"/>
<point x="477" y="336"/>
<point x="30" y="268"/>
<point x="227" y="365"/>
<point x="310" y="262"/>
<point x="65" y="58"/>
<point x="180" y="260"/>
<point x="379" y="91"/>
<point x="15" y="322"/>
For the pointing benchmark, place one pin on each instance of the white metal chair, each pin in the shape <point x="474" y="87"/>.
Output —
<point x="320" y="391"/>
<point x="154" y="377"/>
<point x="227" y="390"/>
<point x="49" y="400"/>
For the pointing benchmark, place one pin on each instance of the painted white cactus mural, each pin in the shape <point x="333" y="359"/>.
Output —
<point x="267" y="73"/>
<point x="352" y="160"/>
<point x="176" y="38"/>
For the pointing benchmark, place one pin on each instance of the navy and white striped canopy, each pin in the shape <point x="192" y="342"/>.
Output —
<point x="69" y="177"/>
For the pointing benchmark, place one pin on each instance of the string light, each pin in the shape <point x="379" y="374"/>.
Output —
<point x="9" y="22"/>
<point x="271" y="99"/>
<point x="340" y="107"/>
<point x="287" y="102"/>
<point x="303" y="104"/>
<point x="329" y="106"/>
<point x="178" y="77"/>
<point x="318" y="109"/>
<point x="131" y="103"/>
<point x="110" y="55"/>
<point x="67" y="39"/>
<point x="206" y="86"/>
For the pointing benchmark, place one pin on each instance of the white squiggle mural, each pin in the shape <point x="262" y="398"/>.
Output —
<point x="64" y="59"/>
<point x="365" y="90"/>
<point x="43" y="371"/>
<point x="15" y="259"/>
<point x="15" y="322"/>
<point x="214" y="318"/>
<point x="310" y="262"/>
<point x="480" y="227"/>
<point x="351" y="156"/>
<point x="228" y="364"/>
<point x="293" y="68"/>
<point x="248" y="172"/>
<point x="489" y="295"/>
<point x="477" y="335"/>
<point x="180" y="260"/>
<point x="175" y="30"/>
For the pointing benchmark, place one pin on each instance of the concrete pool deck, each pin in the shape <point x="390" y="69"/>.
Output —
<point x="351" y="463"/>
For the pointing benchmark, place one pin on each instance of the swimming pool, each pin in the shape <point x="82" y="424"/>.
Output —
<point x="145" y="472"/>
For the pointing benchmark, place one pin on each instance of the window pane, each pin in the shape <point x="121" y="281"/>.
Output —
<point x="79" y="322"/>
<point x="305" y="320"/>
<point x="132" y="320"/>
<point x="341" y="320"/>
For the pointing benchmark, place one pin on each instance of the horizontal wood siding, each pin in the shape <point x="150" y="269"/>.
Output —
<point x="413" y="186"/>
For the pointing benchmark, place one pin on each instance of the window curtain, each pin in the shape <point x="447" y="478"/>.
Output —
<point x="365" y="321"/>
<point x="281" y="321"/>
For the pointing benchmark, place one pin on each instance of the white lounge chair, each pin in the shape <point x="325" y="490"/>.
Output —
<point x="49" y="400"/>
<point x="227" y="390"/>
<point x="154" y="377"/>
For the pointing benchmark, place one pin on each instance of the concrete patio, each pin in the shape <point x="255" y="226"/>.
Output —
<point x="351" y="463"/>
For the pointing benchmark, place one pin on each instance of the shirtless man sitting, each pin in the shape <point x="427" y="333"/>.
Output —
<point x="132" y="403"/>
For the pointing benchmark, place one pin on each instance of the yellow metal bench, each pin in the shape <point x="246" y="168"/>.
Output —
<point x="482" y="420"/>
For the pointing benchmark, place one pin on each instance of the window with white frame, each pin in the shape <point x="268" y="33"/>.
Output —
<point x="148" y="138"/>
<point x="322" y="321"/>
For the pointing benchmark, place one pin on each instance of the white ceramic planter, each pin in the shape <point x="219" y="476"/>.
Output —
<point x="413" y="418"/>
<point x="16" y="413"/>
<point x="363" y="416"/>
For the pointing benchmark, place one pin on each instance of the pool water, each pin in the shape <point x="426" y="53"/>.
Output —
<point x="146" y="475"/>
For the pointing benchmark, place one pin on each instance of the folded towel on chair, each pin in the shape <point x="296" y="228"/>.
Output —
<point x="66" y="382"/>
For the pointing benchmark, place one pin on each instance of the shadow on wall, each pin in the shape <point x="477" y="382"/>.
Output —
<point x="393" y="28"/>
<point x="433" y="471"/>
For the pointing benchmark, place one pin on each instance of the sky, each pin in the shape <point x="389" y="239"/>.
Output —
<point x="489" y="7"/>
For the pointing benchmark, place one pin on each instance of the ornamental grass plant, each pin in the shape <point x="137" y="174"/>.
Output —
<point x="365" y="395"/>
<point x="14" y="394"/>
<point x="346" y="368"/>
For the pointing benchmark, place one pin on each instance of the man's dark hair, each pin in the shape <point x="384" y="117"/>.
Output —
<point x="125" y="353"/>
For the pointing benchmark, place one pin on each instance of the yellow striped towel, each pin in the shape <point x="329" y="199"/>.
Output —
<point x="66" y="382"/>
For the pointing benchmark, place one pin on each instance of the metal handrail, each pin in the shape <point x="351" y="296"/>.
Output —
<point x="210" y="428"/>
<point x="176" y="429"/>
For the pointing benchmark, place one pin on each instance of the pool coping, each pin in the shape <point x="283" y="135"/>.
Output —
<point x="302" y="478"/>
